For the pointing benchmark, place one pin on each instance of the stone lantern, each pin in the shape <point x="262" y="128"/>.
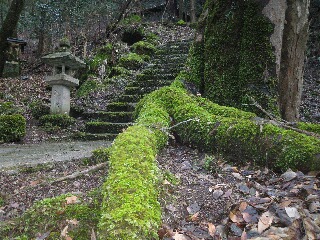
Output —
<point x="64" y="65"/>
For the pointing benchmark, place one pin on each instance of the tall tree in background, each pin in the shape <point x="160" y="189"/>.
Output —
<point x="294" y="45"/>
<point x="8" y="29"/>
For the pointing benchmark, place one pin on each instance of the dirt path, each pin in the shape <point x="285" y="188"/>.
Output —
<point x="19" y="154"/>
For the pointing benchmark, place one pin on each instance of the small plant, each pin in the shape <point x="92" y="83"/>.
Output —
<point x="167" y="175"/>
<point x="119" y="71"/>
<point x="210" y="163"/>
<point x="181" y="23"/>
<point x="100" y="155"/>
<point x="59" y="120"/>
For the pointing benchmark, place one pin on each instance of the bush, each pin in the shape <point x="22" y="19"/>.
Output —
<point x="143" y="48"/>
<point x="8" y="108"/>
<point x="38" y="109"/>
<point x="60" y="120"/>
<point x="12" y="127"/>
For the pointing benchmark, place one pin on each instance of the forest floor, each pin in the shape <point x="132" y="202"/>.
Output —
<point x="204" y="196"/>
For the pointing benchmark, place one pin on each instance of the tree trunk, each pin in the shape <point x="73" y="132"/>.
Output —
<point x="193" y="11"/>
<point x="181" y="9"/>
<point x="294" y="46"/>
<point x="8" y="29"/>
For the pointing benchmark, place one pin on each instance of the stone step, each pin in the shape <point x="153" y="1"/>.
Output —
<point x="159" y="71"/>
<point x="155" y="77"/>
<point x="166" y="60"/>
<point x="178" y="66"/>
<point x="152" y="83"/>
<point x="106" y="127"/>
<point x="132" y="90"/>
<point x="129" y="98"/>
<point x="122" y="117"/>
<point x="94" y="136"/>
<point x="120" y="107"/>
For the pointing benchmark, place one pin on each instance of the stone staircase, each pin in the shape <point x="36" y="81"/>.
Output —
<point x="164" y="66"/>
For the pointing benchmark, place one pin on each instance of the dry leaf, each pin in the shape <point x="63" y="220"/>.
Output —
<point x="93" y="235"/>
<point x="243" y="206"/>
<point x="74" y="222"/>
<point x="265" y="221"/>
<point x="292" y="212"/>
<point x="244" y="235"/>
<point x="179" y="236"/>
<point x="71" y="200"/>
<point x="211" y="229"/>
<point x="68" y="238"/>
<point x="237" y="176"/>
<point x="64" y="232"/>
<point x="195" y="217"/>
<point x="285" y="203"/>
<point x="34" y="183"/>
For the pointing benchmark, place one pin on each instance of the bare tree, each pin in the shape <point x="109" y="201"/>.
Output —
<point x="9" y="28"/>
<point x="294" y="44"/>
<point x="193" y="11"/>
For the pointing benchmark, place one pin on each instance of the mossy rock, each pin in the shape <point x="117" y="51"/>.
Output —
<point x="310" y="127"/>
<point x="12" y="127"/>
<point x="87" y="87"/>
<point x="131" y="61"/>
<point x="143" y="48"/>
<point x="119" y="71"/>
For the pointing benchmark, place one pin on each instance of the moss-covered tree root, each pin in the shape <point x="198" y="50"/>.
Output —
<point x="130" y="208"/>
<point x="236" y="133"/>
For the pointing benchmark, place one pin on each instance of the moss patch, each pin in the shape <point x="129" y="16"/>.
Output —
<point x="53" y="214"/>
<point x="143" y="48"/>
<point x="131" y="61"/>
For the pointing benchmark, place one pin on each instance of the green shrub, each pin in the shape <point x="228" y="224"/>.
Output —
<point x="143" y="48"/>
<point x="38" y="109"/>
<point x="87" y="87"/>
<point x="131" y="61"/>
<point x="60" y="120"/>
<point x="8" y="108"/>
<point x="12" y="127"/>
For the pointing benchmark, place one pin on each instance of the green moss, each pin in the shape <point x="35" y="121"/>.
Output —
<point x="131" y="61"/>
<point x="87" y="87"/>
<point x="235" y="59"/>
<point x="12" y="127"/>
<point x="103" y="53"/>
<point x="119" y="71"/>
<point x="51" y="214"/>
<point x="143" y="48"/>
<point x="60" y="120"/>
<point x="310" y="127"/>
<point x="152" y="38"/>
<point x="132" y="19"/>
